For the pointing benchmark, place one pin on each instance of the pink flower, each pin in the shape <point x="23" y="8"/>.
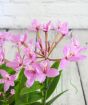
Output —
<point x="62" y="28"/>
<point x="72" y="52"/>
<point x="30" y="56"/>
<point x="35" y="25"/>
<point x="46" y="27"/>
<point x="17" y="63"/>
<point x="77" y="45"/>
<point x="12" y="92"/>
<point x="19" y="39"/>
<point x="33" y="73"/>
<point x="4" y="36"/>
<point x="7" y="79"/>
<point x="1" y="57"/>
<point x="47" y="71"/>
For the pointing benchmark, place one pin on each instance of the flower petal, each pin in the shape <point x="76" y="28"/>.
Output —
<point x="63" y="63"/>
<point x="3" y="73"/>
<point x="6" y="86"/>
<point x="30" y="82"/>
<point x="52" y="72"/>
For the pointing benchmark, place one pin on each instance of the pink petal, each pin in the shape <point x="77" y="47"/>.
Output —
<point x="3" y="73"/>
<point x="64" y="28"/>
<point x="77" y="58"/>
<point x="52" y="72"/>
<point x="13" y="65"/>
<point x="12" y="92"/>
<point x="6" y="86"/>
<point x="63" y="63"/>
<point x="30" y="82"/>
<point x="41" y="77"/>
<point x="66" y="50"/>
<point x="29" y="74"/>
<point x="1" y="80"/>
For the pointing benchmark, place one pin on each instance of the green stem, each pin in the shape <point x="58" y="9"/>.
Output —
<point x="44" y="93"/>
<point x="5" y="100"/>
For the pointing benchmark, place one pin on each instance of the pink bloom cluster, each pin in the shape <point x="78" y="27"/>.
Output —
<point x="36" y="62"/>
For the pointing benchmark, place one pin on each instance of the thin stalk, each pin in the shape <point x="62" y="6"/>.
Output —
<point x="46" y="40"/>
<point x="5" y="100"/>
<point x="44" y="93"/>
<point x="52" y="48"/>
<point x="53" y="59"/>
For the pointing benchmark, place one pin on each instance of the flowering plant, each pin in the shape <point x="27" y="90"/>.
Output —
<point x="32" y="76"/>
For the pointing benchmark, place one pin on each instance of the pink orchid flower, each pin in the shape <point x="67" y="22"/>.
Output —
<point x="17" y="63"/>
<point x="46" y="27"/>
<point x="47" y="71"/>
<point x="1" y="57"/>
<point x="76" y="44"/>
<point x="35" y="26"/>
<point x="33" y="73"/>
<point x="7" y="79"/>
<point x="62" y="28"/>
<point x="72" y="52"/>
<point x="12" y="92"/>
<point x="4" y="36"/>
<point x="19" y="39"/>
<point x="30" y="56"/>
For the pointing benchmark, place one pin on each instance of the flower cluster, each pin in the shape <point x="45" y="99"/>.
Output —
<point x="35" y="57"/>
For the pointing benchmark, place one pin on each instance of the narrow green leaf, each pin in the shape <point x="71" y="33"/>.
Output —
<point x="52" y="85"/>
<point x="57" y="96"/>
<point x="19" y="85"/>
<point x="36" y="86"/>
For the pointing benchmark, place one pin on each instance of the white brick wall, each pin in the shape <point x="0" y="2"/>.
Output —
<point x="19" y="13"/>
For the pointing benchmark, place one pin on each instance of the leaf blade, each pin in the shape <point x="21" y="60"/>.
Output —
<point x="57" y="96"/>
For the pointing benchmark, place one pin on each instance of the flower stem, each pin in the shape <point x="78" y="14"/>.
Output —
<point x="44" y="93"/>
<point x="53" y="46"/>
<point x="5" y="100"/>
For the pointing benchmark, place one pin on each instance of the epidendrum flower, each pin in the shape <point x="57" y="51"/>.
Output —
<point x="33" y="73"/>
<point x="1" y="56"/>
<point x="62" y="28"/>
<point x="30" y="56"/>
<point x="34" y="57"/>
<point x="7" y="80"/>
<point x="19" y="39"/>
<point x="17" y="63"/>
<point x="72" y="52"/>
<point x="39" y="72"/>
<point x="46" y="27"/>
<point x="4" y="36"/>
<point x="47" y="71"/>
<point x="12" y="92"/>
<point x="35" y="25"/>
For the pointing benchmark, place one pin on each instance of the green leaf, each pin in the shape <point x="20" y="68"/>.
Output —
<point x="34" y="96"/>
<point x="36" y="103"/>
<point x="53" y="99"/>
<point x="55" y="65"/>
<point x="52" y="85"/>
<point x="8" y="69"/>
<point x="36" y="86"/>
<point x="29" y="98"/>
<point x="19" y="85"/>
